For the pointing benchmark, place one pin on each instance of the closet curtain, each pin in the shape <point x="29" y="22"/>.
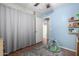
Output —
<point x="17" y="28"/>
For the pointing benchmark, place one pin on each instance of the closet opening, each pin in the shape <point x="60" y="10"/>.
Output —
<point x="46" y="31"/>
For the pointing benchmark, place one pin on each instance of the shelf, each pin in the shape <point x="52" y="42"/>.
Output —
<point x="73" y="33"/>
<point x="73" y="27"/>
<point x="73" y="20"/>
<point x="74" y="30"/>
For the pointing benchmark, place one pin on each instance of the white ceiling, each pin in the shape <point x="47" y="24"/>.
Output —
<point x="40" y="9"/>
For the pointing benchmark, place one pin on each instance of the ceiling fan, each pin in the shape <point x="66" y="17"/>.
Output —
<point x="36" y="4"/>
<point x="47" y="5"/>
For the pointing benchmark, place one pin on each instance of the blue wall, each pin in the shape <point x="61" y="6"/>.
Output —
<point x="58" y="25"/>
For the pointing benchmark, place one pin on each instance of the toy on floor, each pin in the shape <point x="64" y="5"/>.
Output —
<point x="53" y="47"/>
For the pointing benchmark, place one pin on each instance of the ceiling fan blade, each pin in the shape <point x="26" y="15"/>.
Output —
<point x="48" y="6"/>
<point x="36" y="4"/>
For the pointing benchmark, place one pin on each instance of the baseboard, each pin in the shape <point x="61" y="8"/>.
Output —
<point x="68" y="49"/>
<point x="22" y="48"/>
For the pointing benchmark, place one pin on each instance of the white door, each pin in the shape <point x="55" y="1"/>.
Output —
<point x="39" y="29"/>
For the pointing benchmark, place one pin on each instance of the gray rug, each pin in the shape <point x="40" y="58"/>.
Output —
<point x="41" y="51"/>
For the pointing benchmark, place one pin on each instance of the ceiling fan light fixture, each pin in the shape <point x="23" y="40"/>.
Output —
<point x="36" y="4"/>
<point x="48" y="6"/>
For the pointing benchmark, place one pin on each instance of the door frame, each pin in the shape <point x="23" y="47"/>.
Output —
<point x="47" y="19"/>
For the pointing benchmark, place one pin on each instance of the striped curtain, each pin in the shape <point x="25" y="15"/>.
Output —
<point x="17" y="28"/>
